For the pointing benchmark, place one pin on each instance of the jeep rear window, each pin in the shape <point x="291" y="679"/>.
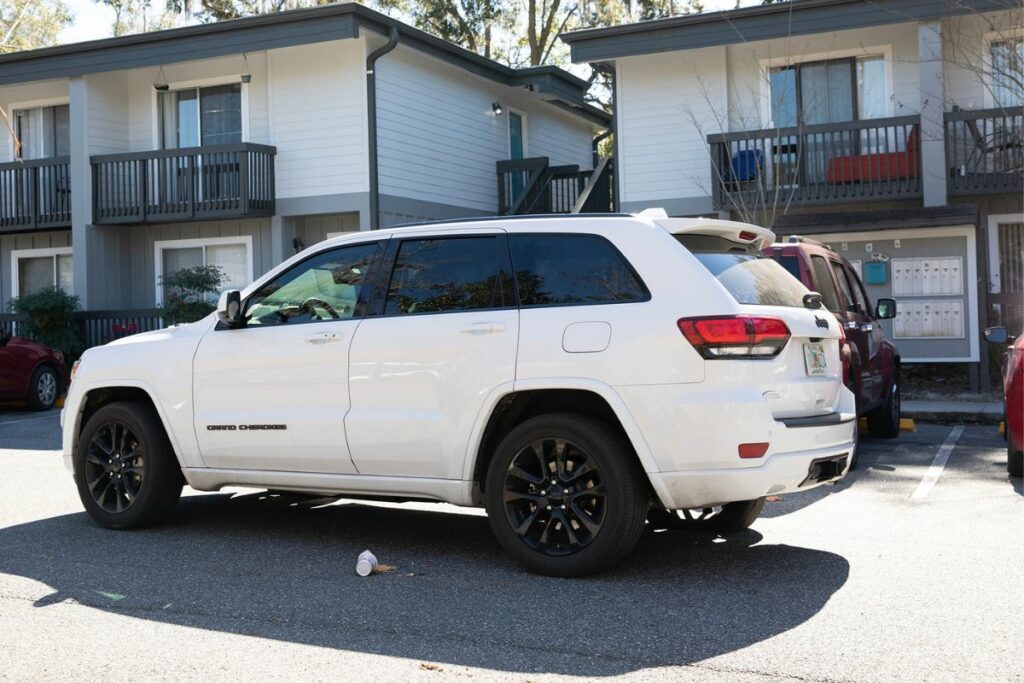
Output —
<point x="744" y="272"/>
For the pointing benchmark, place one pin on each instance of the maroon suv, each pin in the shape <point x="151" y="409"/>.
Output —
<point x="871" y="364"/>
<point x="30" y="372"/>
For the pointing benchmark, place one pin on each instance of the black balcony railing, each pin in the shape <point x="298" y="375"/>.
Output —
<point x="985" y="150"/>
<point x="197" y="183"/>
<point x="874" y="159"/>
<point x="527" y="186"/>
<point x="35" y="194"/>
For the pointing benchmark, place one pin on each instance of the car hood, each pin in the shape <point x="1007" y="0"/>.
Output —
<point x="168" y="333"/>
<point x="29" y="345"/>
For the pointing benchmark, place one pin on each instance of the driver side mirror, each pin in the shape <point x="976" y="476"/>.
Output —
<point x="229" y="308"/>
<point x="885" y="309"/>
<point x="996" y="335"/>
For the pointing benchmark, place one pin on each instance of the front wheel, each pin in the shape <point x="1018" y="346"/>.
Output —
<point x="565" y="495"/>
<point x="43" y="389"/>
<point x="884" y="422"/>
<point x="125" y="470"/>
<point x="1014" y="461"/>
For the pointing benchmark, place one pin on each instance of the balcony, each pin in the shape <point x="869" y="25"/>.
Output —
<point x="852" y="161"/>
<point x="985" y="151"/>
<point x="191" y="184"/>
<point x="533" y="186"/>
<point x="35" y="194"/>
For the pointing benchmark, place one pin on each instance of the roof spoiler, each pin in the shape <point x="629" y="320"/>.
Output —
<point x="742" y="233"/>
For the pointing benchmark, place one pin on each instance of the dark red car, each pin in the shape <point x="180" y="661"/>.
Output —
<point x="871" y="363"/>
<point x="30" y="372"/>
<point x="1013" y="389"/>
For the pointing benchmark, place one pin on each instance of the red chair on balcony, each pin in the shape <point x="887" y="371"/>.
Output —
<point x="883" y="166"/>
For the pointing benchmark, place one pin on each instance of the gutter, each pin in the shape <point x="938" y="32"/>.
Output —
<point x="371" y="123"/>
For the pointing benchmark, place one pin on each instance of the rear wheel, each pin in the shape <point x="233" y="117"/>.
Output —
<point x="43" y="389"/>
<point x="565" y="495"/>
<point x="719" y="519"/>
<point x="125" y="469"/>
<point x="884" y="421"/>
<point x="1014" y="461"/>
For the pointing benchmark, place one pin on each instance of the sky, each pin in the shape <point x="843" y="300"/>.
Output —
<point x="93" y="20"/>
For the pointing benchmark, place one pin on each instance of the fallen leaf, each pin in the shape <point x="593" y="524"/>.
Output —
<point x="384" y="568"/>
<point x="430" y="667"/>
<point x="773" y="499"/>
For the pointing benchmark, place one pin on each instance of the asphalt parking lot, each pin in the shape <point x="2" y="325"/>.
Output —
<point x="898" y="572"/>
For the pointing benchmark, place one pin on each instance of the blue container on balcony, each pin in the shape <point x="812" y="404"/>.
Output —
<point x="746" y="164"/>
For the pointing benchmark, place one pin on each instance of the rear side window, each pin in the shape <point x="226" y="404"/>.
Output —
<point x="791" y="264"/>
<point x="558" y="270"/>
<point x="440" y="275"/>
<point x="748" y="276"/>
<point x="851" y="303"/>
<point x="826" y="287"/>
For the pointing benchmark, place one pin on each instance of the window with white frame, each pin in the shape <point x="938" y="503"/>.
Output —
<point x="233" y="255"/>
<point x="33" y="270"/>
<point x="210" y="115"/>
<point x="828" y="91"/>
<point x="1008" y="72"/>
<point x="43" y="131"/>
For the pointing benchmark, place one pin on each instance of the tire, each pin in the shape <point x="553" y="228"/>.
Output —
<point x="141" y="481"/>
<point x="43" y="389"/>
<point x="723" y="519"/>
<point x="884" y="422"/>
<point x="1014" y="461"/>
<point x="593" y="526"/>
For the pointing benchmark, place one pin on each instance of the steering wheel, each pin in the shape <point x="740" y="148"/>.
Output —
<point x="313" y="303"/>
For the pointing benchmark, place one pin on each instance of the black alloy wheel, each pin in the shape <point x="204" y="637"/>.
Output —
<point x="115" y="466"/>
<point x="555" y="497"/>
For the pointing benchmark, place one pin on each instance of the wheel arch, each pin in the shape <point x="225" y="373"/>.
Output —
<point x="96" y="397"/>
<point x="524" y="400"/>
<point x="46" y="363"/>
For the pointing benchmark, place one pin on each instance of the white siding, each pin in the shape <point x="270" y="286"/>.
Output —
<point x="318" y="118"/>
<point x="439" y="141"/>
<point x="668" y="104"/>
<point x="16" y="96"/>
<point x="965" y="47"/>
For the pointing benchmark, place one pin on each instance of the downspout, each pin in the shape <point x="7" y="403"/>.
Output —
<point x="371" y="122"/>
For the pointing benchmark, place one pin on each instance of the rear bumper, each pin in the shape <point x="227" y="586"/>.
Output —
<point x="695" y="442"/>
<point x="782" y="473"/>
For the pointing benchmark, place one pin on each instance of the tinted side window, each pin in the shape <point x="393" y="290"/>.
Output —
<point x="826" y="287"/>
<point x="851" y="302"/>
<point x="791" y="264"/>
<point x="442" y="274"/>
<point x="554" y="270"/>
<point x="858" y="291"/>
<point x="326" y="286"/>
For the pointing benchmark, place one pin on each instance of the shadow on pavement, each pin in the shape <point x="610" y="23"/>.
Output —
<point x="278" y="567"/>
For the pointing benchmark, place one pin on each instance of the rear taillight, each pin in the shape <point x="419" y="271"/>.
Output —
<point x="735" y="336"/>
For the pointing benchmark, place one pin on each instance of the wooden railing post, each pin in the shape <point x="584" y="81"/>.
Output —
<point x="243" y="181"/>
<point x="190" y="183"/>
<point x="140" y="177"/>
<point x="33" y="196"/>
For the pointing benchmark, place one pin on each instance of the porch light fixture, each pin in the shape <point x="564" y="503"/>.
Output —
<point x="246" y="76"/>
<point x="161" y="81"/>
<point x="496" y="108"/>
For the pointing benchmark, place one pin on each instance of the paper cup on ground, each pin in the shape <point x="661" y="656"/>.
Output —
<point x="366" y="563"/>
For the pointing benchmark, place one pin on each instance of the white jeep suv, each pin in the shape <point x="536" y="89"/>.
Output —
<point x="576" y="376"/>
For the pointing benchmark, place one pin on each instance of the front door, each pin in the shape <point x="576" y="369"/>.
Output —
<point x="273" y="394"/>
<point x="860" y="331"/>
<point x="442" y="341"/>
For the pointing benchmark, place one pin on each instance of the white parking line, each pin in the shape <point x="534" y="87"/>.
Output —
<point x="933" y="473"/>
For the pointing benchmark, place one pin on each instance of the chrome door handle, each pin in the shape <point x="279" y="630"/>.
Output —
<point x="483" y="328"/>
<point x="867" y="327"/>
<point x="851" y="325"/>
<point x="323" y="338"/>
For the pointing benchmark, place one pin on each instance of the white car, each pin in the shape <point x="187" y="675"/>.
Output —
<point x="574" y="375"/>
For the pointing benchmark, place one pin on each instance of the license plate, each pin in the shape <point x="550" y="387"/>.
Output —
<point x="814" y="359"/>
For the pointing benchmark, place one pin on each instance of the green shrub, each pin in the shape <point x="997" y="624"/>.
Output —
<point x="51" y="320"/>
<point x="188" y="293"/>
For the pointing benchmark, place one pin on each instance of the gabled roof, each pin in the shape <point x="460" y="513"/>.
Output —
<point x="283" y="29"/>
<point x="760" y="22"/>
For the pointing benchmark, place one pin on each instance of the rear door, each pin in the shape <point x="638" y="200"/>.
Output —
<point x="441" y="340"/>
